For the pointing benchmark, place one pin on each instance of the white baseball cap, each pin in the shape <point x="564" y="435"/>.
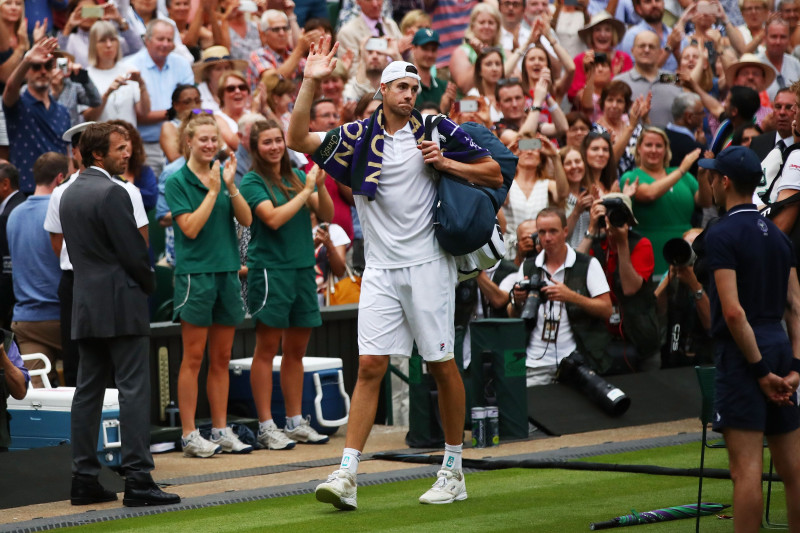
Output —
<point x="395" y="71"/>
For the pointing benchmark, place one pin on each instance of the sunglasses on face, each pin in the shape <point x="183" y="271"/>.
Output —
<point x="507" y="81"/>
<point x="233" y="88"/>
<point x="277" y="29"/>
<point x="36" y="67"/>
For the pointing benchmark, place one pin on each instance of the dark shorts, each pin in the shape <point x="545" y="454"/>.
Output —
<point x="283" y="298"/>
<point x="206" y="299"/>
<point x="739" y="402"/>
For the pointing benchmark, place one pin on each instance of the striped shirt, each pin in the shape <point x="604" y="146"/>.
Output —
<point x="451" y="19"/>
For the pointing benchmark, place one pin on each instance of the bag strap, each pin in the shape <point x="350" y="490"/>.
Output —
<point x="431" y="123"/>
<point x="784" y="157"/>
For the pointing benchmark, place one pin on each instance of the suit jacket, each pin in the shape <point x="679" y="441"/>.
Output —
<point x="109" y="258"/>
<point x="681" y="144"/>
<point x="763" y="144"/>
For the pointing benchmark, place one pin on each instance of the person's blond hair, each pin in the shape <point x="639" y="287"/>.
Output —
<point x="488" y="9"/>
<point x="102" y="29"/>
<point x="415" y="17"/>
<point x="657" y="131"/>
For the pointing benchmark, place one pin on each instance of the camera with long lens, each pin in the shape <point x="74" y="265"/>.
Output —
<point x="616" y="211"/>
<point x="533" y="285"/>
<point x="679" y="253"/>
<point x="573" y="371"/>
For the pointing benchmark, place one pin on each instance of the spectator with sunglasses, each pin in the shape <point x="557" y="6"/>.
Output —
<point x="277" y="52"/>
<point x="184" y="99"/>
<point x="234" y="98"/>
<point x="35" y="121"/>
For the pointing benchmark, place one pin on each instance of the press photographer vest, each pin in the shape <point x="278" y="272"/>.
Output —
<point x="637" y="311"/>
<point x="590" y="333"/>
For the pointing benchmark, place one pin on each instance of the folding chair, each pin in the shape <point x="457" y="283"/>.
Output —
<point x="705" y="377"/>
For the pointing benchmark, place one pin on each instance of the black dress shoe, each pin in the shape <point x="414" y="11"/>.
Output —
<point x="143" y="493"/>
<point x="87" y="490"/>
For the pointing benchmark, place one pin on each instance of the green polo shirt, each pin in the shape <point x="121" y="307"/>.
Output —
<point x="289" y="247"/>
<point x="215" y="249"/>
<point x="433" y="93"/>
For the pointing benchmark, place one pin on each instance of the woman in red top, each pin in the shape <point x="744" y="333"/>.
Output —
<point x="602" y="35"/>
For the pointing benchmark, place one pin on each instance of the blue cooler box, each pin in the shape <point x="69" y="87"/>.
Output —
<point x="42" y="419"/>
<point x="324" y="397"/>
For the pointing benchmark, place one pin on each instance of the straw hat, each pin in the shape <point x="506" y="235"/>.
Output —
<point x="618" y="26"/>
<point x="751" y="60"/>
<point x="213" y="55"/>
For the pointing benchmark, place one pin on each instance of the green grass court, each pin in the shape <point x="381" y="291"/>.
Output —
<point x="542" y="500"/>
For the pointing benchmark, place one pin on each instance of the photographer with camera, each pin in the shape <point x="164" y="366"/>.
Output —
<point x="681" y="299"/>
<point x="628" y="262"/>
<point x="563" y="296"/>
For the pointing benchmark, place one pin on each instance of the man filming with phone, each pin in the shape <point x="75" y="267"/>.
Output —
<point x="628" y="263"/>
<point x="569" y="301"/>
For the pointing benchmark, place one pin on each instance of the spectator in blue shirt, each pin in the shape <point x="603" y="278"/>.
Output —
<point x="35" y="120"/>
<point x="36" y="321"/>
<point x="163" y="69"/>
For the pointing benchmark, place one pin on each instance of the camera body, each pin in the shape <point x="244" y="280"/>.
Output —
<point x="616" y="211"/>
<point x="530" y="311"/>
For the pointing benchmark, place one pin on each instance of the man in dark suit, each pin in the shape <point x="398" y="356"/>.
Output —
<point x="782" y="117"/>
<point x="110" y="319"/>
<point x="687" y="118"/>
<point x="10" y="197"/>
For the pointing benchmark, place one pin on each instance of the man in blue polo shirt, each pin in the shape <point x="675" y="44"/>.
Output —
<point x="161" y="69"/>
<point x="754" y="286"/>
<point x="34" y="119"/>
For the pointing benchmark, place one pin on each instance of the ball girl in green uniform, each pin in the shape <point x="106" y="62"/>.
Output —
<point x="282" y="292"/>
<point x="204" y="200"/>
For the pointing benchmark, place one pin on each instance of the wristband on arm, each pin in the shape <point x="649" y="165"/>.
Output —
<point x="760" y="369"/>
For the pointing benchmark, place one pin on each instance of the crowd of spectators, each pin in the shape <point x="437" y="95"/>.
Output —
<point x="596" y="97"/>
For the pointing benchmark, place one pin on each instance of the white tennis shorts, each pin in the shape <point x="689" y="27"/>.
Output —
<point x="401" y="305"/>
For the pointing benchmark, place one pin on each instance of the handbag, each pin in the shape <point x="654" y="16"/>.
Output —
<point x="345" y="291"/>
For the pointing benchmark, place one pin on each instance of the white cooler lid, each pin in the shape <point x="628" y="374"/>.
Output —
<point x="58" y="399"/>
<point x="310" y="364"/>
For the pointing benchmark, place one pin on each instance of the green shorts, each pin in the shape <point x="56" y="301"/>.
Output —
<point x="206" y="299"/>
<point x="283" y="298"/>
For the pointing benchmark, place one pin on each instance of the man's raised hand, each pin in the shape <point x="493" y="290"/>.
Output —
<point x="320" y="64"/>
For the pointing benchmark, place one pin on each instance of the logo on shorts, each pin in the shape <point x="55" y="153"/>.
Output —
<point x="441" y="347"/>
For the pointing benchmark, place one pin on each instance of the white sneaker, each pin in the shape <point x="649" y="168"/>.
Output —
<point x="305" y="433"/>
<point x="448" y="488"/>
<point x="339" y="490"/>
<point x="273" y="438"/>
<point x="196" y="446"/>
<point x="230" y="443"/>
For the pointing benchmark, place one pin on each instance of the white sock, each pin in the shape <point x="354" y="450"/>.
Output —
<point x="350" y="460"/>
<point x="293" y="421"/>
<point x="266" y="424"/>
<point x="452" y="456"/>
<point x="215" y="432"/>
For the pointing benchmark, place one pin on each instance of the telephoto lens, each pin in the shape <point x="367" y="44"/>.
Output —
<point x="679" y="253"/>
<point x="573" y="371"/>
<point x="530" y="311"/>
